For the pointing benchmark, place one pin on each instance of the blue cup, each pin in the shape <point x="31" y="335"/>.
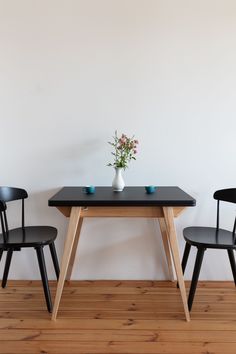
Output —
<point x="89" y="189"/>
<point x="150" y="189"/>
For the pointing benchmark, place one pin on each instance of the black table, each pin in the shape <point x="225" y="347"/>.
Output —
<point x="165" y="204"/>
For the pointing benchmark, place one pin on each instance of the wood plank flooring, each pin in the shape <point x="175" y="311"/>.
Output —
<point x="128" y="317"/>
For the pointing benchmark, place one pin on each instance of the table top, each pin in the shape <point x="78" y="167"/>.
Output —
<point x="130" y="196"/>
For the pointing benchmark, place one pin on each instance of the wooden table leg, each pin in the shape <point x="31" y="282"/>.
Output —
<point x="74" y="249"/>
<point x="165" y="240"/>
<point x="69" y="241"/>
<point x="169" y="219"/>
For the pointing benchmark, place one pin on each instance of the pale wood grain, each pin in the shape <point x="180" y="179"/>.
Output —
<point x="136" y="317"/>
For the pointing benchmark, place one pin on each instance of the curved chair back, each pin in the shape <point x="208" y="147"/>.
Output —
<point x="8" y="194"/>
<point x="225" y="195"/>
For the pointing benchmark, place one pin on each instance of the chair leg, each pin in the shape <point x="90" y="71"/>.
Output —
<point x="44" y="277"/>
<point x="54" y="259"/>
<point x="196" y="272"/>
<point x="232" y="263"/>
<point x="185" y="258"/>
<point x="1" y="253"/>
<point x="7" y="267"/>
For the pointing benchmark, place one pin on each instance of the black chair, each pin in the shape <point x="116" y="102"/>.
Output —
<point x="210" y="237"/>
<point x="26" y="236"/>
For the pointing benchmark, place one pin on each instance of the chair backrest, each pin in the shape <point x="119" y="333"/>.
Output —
<point x="8" y="194"/>
<point x="225" y="195"/>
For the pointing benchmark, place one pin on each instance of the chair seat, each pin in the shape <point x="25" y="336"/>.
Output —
<point x="209" y="238"/>
<point x="30" y="236"/>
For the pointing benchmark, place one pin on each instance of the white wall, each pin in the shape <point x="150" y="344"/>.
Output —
<point x="71" y="72"/>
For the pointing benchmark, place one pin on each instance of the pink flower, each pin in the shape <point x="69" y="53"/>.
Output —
<point x="125" y="149"/>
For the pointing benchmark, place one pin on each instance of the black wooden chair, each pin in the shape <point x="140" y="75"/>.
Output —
<point x="26" y="236"/>
<point x="210" y="237"/>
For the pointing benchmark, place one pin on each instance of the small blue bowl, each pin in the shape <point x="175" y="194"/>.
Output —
<point x="150" y="189"/>
<point x="89" y="189"/>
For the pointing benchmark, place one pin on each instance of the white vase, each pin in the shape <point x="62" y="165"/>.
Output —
<point x="118" y="182"/>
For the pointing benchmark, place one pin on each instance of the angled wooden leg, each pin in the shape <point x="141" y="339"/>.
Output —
<point x="70" y="237"/>
<point x="169" y="218"/>
<point x="166" y="247"/>
<point x="74" y="249"/>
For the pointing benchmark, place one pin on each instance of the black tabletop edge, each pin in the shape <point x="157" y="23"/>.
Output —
<point x="61" y="200"/>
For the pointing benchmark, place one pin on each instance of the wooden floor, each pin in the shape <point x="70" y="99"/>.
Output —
<point x="138" y="317"/>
